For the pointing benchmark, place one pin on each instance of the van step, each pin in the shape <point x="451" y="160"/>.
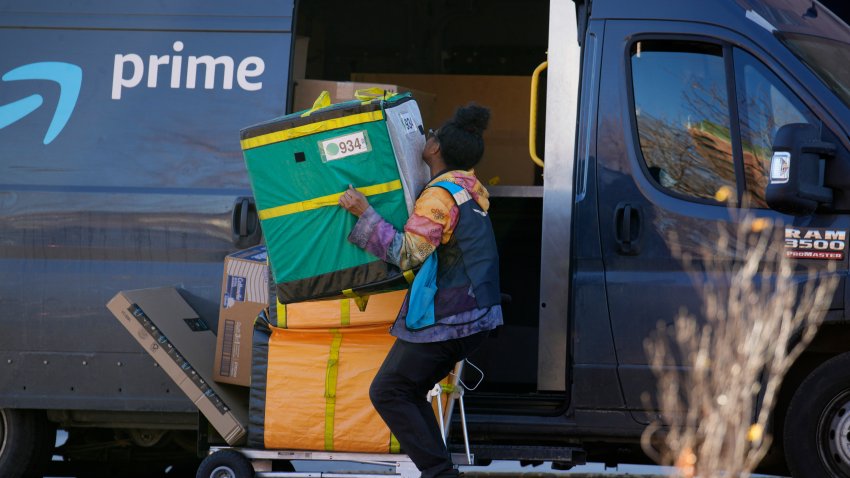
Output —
<point x="566" y="455"/>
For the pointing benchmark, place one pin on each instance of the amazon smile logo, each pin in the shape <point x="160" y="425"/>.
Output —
<point x="70" y="79"/>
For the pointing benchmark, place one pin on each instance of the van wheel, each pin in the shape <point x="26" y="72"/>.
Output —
<point x="817" y="424"/>
<point x="225" y="464"/>
<point x="26" y="443"/>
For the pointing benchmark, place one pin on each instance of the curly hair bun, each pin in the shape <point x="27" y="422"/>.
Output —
<point x="461" y="140"/>
<point x="472" y="118"/>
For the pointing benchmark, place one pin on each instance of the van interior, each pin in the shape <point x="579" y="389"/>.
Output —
<point x="433" y="47"/>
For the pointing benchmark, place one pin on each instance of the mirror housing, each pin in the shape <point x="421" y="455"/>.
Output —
<point x="796" y="180"/>
<point x="245" y="223"/>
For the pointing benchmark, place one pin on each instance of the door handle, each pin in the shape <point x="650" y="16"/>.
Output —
<point x="627" y="228"/>
<point x="245" y="223"/>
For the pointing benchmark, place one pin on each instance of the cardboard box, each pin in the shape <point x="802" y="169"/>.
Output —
<point x="306" y="92"/>
<point x="506" y="160"/>
<point x="244" y="293"/>
<point x="181" y="343"/>
<point x="299" y="57"/>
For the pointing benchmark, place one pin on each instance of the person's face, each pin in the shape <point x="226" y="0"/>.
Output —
<point x="432" y="146"/>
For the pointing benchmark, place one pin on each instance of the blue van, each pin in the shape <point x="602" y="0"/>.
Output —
<point x="120" y="169"/>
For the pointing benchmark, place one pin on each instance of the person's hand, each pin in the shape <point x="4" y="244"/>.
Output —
<point x="354" y="201"/>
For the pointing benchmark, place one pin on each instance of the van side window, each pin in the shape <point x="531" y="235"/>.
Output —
<point x="682" y="111"/>
<point x="764" y="105"/>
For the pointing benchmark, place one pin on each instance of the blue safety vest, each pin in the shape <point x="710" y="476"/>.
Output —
<point x="462" y="274"/>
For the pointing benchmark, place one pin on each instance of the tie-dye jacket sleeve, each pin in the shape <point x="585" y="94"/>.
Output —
<point x="432" y="222"/>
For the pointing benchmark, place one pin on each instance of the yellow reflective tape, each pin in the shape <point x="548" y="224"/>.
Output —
<point x="361" y="301"/>
<point x="344" y="312"/>
<point x="409" y="276"/>
<point x="312" y="128"/>
<point x="330" y="388"/>
<point x="395" y="447"/>
<point x="281" y="314"/>
<point x="325" y="201"/>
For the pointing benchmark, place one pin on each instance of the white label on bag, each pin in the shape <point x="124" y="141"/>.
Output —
<point x="408" y="123"/>
<point x="780" y="167"/>
<point x="345" y="146"/>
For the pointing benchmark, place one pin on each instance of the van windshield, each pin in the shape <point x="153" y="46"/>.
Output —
<point x="829" y="59"/>
<point x="818" y="37"/>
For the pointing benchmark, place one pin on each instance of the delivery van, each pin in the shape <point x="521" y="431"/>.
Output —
<point x="121" y="168"/>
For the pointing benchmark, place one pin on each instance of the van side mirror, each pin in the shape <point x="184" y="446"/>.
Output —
<point x="796" y="183"/>
<point x="245" y="223"/>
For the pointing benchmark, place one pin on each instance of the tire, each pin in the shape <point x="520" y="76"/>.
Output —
<point x="27" y="440"/>
<point x="816" y="435"/>
<point x="225" y="464"/>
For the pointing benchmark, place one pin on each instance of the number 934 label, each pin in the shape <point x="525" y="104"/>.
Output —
<point x="344" y="146"/>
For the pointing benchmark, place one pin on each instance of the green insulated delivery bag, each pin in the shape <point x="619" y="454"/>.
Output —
<point x="300" y="164"/>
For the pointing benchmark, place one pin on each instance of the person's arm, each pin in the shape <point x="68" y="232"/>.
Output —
<point x="434" y="218"/>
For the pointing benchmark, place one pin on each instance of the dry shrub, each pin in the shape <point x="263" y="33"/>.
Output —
<point x="718" y="379"/>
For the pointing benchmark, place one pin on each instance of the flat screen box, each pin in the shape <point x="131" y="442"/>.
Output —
<point x="180" y="341"/>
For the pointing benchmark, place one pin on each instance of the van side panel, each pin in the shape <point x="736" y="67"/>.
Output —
<point x="119" y="127"/>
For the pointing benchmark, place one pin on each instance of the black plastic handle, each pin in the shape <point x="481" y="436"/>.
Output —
<point x="627" y="228"/>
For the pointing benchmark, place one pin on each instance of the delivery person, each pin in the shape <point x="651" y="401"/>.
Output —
<point x="450" y="236"/>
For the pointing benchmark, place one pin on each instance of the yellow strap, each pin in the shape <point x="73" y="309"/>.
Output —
<point x="330" y="405"/>
<point x="395" y="447"/>
<point x="330" y="388"/>
<point x="324" y="201"/>
<point x="361" y="301"/>
<point x="344" y="312"/>
<point x="409" y="276"/>
<point x="323" y="101"/>
<point x="281" y="314"/>
<point x="373" y="93"/>
<point x="312" y="128"/>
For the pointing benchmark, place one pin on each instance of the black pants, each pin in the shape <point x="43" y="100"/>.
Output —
<point x="399" y="395"/>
